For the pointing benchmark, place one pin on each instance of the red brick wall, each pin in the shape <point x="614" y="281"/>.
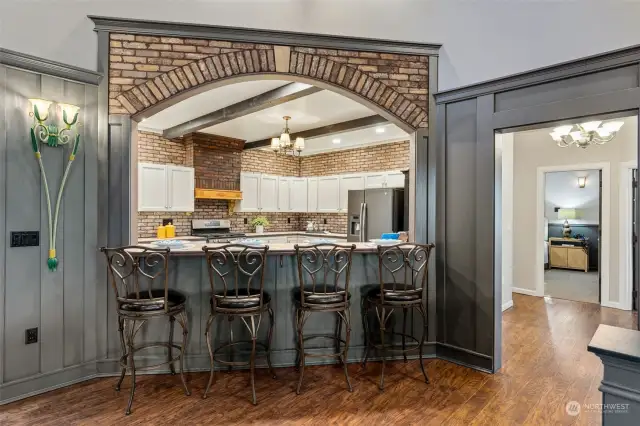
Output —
<point x="153" y="148"/>
<point x="263" y="161"/>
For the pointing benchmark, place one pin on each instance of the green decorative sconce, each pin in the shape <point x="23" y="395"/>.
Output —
<point x="54" y="136"/>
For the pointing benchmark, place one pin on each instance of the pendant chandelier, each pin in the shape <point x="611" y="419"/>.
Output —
<point x="585" y="134"/>
<point x="284" y="145"/>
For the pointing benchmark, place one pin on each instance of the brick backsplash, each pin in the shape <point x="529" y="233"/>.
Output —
<point x="218" y="157"/>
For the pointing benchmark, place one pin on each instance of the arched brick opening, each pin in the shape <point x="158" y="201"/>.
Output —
<point x="154" y="91"/>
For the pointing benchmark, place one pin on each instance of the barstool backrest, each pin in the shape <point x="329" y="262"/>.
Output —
<point x="324" y="270"/>
<point x="239" y="271"/>
<point x="135" y="271"/>
<point x="403" y="269"/>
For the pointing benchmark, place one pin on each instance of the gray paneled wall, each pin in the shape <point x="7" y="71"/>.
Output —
<point x="62" y="304"/>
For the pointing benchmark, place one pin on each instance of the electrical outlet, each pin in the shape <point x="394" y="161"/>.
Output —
<point x="166" y="222"/>
<point x="324" y="221"/>
<point x="30" y="336"/>
<point x="245" y="220"/>
<point x="288" y="220"/>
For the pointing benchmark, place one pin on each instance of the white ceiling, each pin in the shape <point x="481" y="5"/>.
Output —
<point x="206" y="102"/>
<point x="316" y="110"/>
<point x="309" y="112"/>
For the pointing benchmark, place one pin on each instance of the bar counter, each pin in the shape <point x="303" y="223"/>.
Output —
<point x="188" y="273"/>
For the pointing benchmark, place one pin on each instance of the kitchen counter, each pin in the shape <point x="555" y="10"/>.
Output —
<point x="299" y="233"/>
<point x="185" y="238"/>
<point x="195" y="249"/>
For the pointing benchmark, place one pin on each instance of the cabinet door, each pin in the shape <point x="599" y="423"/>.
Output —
<point x="181" y="183"/>
<point x="283" y="194"/>
<point x="152" y="187"/>
<point x="312" y="194"/>
<point x="268" y="193"/>
<point x="298" y="195"/>
<point x="558" y="256"/>
<point x="349" y="183"/>
<point x="250" y="187"/>
<point x="395" y="180"/>
<point x="375" y="180"/>
<point x="577" y="259"/>
<point x="328" y="194"/>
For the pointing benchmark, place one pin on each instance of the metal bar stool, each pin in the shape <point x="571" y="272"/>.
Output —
<point x="320" y="272"/>
<point x="403" y="274"/>
<point x="128" y="268"/>
<point x="237" y="267"/>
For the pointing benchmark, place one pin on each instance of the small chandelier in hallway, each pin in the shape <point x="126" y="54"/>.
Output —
<point x="585" y="134"/>
<point x="283" y="145"/>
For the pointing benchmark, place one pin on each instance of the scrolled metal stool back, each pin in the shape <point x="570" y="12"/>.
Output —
<point x="133" y="272"/>
<point x="324" y="270"/>
<point x="403" y="269"/>
<point x="238" y="269"/>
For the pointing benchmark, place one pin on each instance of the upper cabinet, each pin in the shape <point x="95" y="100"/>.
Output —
<point x="349" y="183"/>
<point x="395" y="180"/>
<point x="328" y="194"/>
<point x="165" y="188"/>
<point x="298" y="195"/>
<point x="250" y="187"/>
<point x="284" y="203"/>
<point x="312" y="194"/>
<point x="268" y="193"/>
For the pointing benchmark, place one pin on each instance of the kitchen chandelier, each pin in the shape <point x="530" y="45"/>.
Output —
<point x="283" y="145"/>
<point x="589" y="133"/>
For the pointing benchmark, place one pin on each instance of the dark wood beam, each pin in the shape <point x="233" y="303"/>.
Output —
<point x="345" y="126"/>
<point x="281" y="95"/>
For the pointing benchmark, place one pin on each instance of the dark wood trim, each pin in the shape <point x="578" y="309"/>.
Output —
<point x="464" y="357"/>
<point x="281" y="95"/>
<point x="563" y="70"/>
<point x="345" y="126"/>
<point x="45" y="66"/>
<point x="252" y="35"/>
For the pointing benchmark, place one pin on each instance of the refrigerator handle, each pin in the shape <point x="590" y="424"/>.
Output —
<point x="363" y="221"/>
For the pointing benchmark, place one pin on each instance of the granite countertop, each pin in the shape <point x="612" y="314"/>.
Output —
<point x="184" y="238"/>
<point x="302" y="233"/>
<point x="194" y="248"/>
<point x="616" y="342"/>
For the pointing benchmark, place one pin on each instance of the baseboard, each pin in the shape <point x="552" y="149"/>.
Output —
<point x="614" y="305"/>
<point x="526" y="291"/>
<point x="464" y="357"/>
<point x="24" y="388"/>
<point x="507" y="305"/>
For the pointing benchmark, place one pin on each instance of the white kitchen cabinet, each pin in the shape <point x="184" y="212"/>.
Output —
<point x="298" y="195"/>
<point x="328" y="194"/>
<point x="284" y="204"/>
<point x="375" y="180"/>
<point x="165" y="188"/>
<point x="250" y="187"/>
<point x="181" y="187"/>
<point x="349" y="183"/>
<point x="268" y="193"/>
<point x="312" y="194"/>
<point x="395" y="180"/>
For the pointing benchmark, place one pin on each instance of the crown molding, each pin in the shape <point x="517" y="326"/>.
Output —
<point x="45" y="66"/>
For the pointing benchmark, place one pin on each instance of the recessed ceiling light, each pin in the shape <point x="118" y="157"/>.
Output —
<point x="336" y="140"/>
<point x="379" y="129"/>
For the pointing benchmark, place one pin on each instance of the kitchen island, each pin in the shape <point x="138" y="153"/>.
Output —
<point x="188" y="273"/>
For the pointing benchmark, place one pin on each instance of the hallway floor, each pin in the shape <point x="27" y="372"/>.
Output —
<point x="545" y="365"/>
<point x="566" y="284"/>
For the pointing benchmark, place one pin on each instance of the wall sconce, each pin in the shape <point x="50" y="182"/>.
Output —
<point x="53" y="135"/>
<point x="582" y="181"/>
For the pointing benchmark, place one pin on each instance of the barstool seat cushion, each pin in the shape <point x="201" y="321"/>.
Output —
<point x="242" y="301"/>
<point x="397" y="295"/>
<point x="144" y="303"/>
<point x="319" y="297"/>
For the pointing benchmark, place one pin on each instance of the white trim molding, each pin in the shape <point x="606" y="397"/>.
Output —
<point x="526" y="291"/>
<point x="625" y="252"/>
<point x="605" y="226"/>
<point x="507" y="305"/>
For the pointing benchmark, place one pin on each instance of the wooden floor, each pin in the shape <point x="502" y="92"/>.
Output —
<point x="545" y="365"/>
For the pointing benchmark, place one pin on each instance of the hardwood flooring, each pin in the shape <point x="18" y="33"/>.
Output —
<point x="545" y="365"/>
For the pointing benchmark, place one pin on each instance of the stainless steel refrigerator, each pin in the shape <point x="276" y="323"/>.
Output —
<point x="373" y="212"/>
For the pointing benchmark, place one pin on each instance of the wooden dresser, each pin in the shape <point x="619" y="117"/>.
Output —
<point x="568" y="253"/>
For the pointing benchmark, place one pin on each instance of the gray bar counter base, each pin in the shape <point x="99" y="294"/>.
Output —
<point x="619" y="350"/>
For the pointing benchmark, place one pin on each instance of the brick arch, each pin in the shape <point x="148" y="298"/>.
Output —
<point x="341" y="77"/>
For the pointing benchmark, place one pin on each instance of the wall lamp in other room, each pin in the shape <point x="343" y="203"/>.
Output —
<point x="582" y="181"/>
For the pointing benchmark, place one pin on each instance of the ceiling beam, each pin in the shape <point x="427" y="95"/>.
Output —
<point x="281" y="95"/>
<point x="345" y="126"/>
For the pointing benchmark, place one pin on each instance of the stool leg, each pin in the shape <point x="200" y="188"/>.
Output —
<point x="381" y="320"/>
<point x="367" y="336"/>
<point x="184" y="322"/>
<point x="404" y="331"/>
<point x="231" y="348"/>
<point x="132" y="366"/>
<point x="338" y="333"/>
<point x="172" y="367"/>
<point x="347" y="338"/>
<point x="253" y="330"/>
<point x="298" y="355"/>
<point x="207" y="334"/>
<point x="271" y="325"/>
<point x="301" y="322"/>
<point x="124" y="353"/>
<point x="424" y="334"/>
